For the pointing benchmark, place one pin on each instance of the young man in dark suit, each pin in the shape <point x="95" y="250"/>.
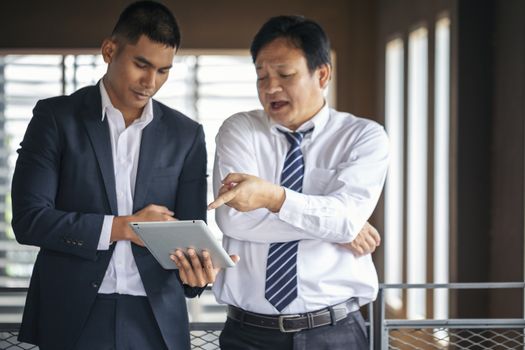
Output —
<point x="89" y="164"/>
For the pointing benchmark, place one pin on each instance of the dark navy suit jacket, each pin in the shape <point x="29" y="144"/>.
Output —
<point x="63" y="186"/>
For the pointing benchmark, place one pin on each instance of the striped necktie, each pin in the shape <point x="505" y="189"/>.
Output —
<point x="281" y="265"/>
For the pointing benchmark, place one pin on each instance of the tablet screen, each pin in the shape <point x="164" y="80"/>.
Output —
<point x="162" y="238"/>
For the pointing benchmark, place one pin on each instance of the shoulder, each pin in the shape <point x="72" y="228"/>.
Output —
<point x="66" y="108"/>
<point x="245" y="122"/>
<point x="174" y="118"/>
<point x="75" y="100"/>
<point x="357" y="127"/>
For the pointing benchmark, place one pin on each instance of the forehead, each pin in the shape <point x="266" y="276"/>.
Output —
<point x="157" y="53"/>
<point x="280" y="51"/>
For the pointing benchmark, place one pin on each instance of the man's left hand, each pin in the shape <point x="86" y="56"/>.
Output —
<point x="196" y="272"/>
<point x="366" y="241"/>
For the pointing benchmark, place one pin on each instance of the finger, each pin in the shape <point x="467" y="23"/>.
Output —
<point x="370" y="241"/>
<point x="234" y="177"/>
<point x="376" y="236"/>
<point x="136" y="239"/>
<point x="196" y="268"/>
<point x="165" y="211"/>
<point x="166" y="217"/>
<point x="138" y="242"/>
<point x="357" y="249"/>
<point x="209" y="271"/>
<point x="222" y="199"/>
<point x="224" y="189"/>
<point x="235" y="258"/>
<point x="186" y="269"/>
<point x="160" y="209"/>
<point x="182" y="274"/>
<point x="372" y="231"/>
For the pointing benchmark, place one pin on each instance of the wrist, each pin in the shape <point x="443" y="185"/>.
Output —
<point x="120" y="230"/>
<point x="278" y="195"/>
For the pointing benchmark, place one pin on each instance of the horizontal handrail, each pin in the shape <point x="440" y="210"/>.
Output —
<point x="457" y="285"/>
<point x="457" y="323"/>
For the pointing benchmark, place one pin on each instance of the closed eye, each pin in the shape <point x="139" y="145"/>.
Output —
<point x="141" y="65"/>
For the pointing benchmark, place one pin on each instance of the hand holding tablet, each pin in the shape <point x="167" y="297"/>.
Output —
<point x="163" y="238"/>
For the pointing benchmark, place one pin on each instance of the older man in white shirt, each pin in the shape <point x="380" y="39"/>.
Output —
<point x="299" y="181"/>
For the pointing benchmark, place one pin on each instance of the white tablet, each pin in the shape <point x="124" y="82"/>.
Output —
<point x="163" y="237"/>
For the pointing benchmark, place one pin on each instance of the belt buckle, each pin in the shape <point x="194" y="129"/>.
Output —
<point x="281" y="323"/>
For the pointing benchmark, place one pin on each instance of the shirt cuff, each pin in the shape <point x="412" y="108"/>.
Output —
<point x="294" y="204"/>
<point x="105" y="233"/>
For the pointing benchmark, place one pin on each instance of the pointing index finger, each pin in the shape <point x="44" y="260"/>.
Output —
<point x="222" y="199"/>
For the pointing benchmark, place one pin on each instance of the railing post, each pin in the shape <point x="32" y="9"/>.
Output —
<point x="371" y="327"/>
<point x="379" y="319"/>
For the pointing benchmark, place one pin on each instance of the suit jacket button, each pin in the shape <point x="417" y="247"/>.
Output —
<point x="94" y="284"/>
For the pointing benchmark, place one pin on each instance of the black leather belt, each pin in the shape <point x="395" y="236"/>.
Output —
<point x="295" y="322"/>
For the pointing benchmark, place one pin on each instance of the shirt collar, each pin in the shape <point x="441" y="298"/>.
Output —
<point x="147" y="113"/>
<point x="317" y="122"/>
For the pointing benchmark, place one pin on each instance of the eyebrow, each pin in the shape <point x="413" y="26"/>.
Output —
<point x="148" y="63"/>
<point x="279" y="65"/>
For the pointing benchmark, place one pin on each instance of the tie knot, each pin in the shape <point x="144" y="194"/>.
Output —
<point x="295" y="138"/>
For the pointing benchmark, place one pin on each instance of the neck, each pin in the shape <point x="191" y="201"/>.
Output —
<point x="129" y="115"/>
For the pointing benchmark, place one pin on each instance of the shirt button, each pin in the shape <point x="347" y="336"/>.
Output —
<point x="94" y="284"/>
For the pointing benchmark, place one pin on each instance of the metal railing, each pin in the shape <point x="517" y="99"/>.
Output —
<point x="468" y="334"/>
<point x="385" y="333"/>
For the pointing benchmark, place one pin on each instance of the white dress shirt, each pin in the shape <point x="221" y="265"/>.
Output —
<point x="122" y="275"/>
<point x="345" y="159"/>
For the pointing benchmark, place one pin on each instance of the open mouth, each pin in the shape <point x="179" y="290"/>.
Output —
<point x="277" y="105"/>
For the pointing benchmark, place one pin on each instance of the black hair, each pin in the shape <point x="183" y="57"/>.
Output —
<point x="148" y="18"/>
<point x="303" y="33"/>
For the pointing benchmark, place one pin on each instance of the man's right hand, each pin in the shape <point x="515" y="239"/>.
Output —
<point x="120" y="231"/>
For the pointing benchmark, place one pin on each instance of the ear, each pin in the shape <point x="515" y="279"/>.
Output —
<point x="324" y="74"/>
<point x="109" y="50"/>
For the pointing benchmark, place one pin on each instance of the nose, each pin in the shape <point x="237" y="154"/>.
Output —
<point x="272" y="85"/>
<point x="148" y="79"/>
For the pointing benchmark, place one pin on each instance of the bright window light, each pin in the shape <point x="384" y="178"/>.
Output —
<point x="393" y="236"/>
<point x="441" y="166"/>
<point x="417" y="171"/>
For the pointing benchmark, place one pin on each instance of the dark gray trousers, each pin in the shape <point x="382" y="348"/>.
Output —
<point x="121" y="322"/>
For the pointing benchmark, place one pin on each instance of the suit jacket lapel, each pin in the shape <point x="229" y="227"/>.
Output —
<point x="150" y="150"/>
<point x="98" y="132"/>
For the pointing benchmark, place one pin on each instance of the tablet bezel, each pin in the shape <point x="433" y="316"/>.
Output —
<point x="163" y="237"/>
